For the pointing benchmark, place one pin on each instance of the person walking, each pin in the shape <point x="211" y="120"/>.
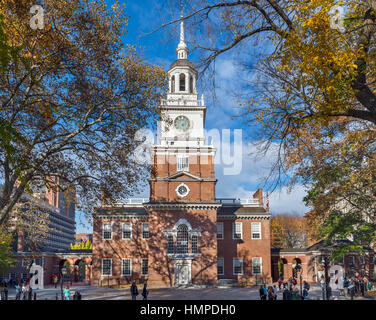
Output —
<point x="261" y="293"/>
<point x="345" y="286"/>
<point x="18" y="292"/>
<point x="357" y="285"/>
<point x="265" y="291"/>
<point x="270" y="293"/>
<point x="362" y="287"/>
<point x="365" y="280"/>
<point x="67" y="293"/>
<point x="286" y="294"/>
<point x="279" y="283"/>
<point x="352" y="290"/>
<point x="55" y="280"/>
<point x="23" y="291"/>
<point x="134" y="291"/>
<point x="27" y="291"/>
<point x="369" y="285"/>
<point x="275" y="292"/>
<point x="145" y="292"/>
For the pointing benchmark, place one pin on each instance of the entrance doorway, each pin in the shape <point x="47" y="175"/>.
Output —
<point x="183" y="272"/>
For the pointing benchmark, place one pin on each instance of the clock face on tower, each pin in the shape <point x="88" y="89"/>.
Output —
<point x="182" y="123"/>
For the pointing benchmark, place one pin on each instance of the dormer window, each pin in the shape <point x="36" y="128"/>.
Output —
<point x="182" y="82"/>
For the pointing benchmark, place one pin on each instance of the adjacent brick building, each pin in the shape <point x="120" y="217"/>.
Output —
<point x="310" y="259"/>
<point x="182" y="234"/>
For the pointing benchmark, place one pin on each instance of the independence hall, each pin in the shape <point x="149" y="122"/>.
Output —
<point x="183" y="234"/>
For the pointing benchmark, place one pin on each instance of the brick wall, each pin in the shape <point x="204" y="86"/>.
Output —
<point x="246" y="248"/>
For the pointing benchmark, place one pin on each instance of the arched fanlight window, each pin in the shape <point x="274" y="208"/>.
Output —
<point x="190" y="84"/>
<point x="173" y="84"/>
<point x="182" y="82"/>
<point x="182" y="239"/>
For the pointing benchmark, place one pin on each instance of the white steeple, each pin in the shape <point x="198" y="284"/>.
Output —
<point x="182" y="50"/>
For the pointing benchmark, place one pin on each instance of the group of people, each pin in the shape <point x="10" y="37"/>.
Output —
<point x="268" y="294"/>
<point x="290" y="290"/>
<point x="353" y="286"/>
<point x="134" y="291"/>
<point x="23" y="290"/>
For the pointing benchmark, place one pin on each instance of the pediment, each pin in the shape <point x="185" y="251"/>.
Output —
<point x="184" y="175"/>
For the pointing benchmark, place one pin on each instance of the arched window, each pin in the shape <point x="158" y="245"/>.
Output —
<point x="182" y="82"/>
<point x="190" y="84"/>
<point x="182" y="239"/>
<point x="173" y="84"/>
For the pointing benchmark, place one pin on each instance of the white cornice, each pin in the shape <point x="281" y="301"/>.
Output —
<point x="119" y="216"/>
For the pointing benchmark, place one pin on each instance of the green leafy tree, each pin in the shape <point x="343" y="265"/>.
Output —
<point x="11" y="57"/>
<point x="343" y="191"/>
<point x="82" y="245"/>
<point x="80" y="104"/>
<point x="6" y="256"/>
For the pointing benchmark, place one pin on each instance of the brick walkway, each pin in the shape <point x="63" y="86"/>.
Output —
<point x="221" y="293"/>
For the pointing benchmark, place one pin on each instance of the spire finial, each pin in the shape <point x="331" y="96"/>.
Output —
<point x="182" y="26"/>
<point x="182" y="50"/>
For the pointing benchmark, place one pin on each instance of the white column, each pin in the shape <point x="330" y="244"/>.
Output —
<point x="177" y="82"/>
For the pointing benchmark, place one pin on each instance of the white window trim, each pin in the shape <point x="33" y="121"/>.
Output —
<point x="112" y="231"/>
<point x="233" y="267"/>
<point x="122" y="229"/>
<point x="254" y="223"/>
<point x="142" y="231"/>
<point x="223" y="233"/>
<point x="106" y="275"/>
<point x="223" y="266"/>
<point x="234" y="229"/>
<point x="260" y="265"/>
<point x="178" y="161"/>
<point x="130" y="267"/>
<point x="197" y="245"/>
<point x="173" y="245"/>
<point x="142" y="273"/>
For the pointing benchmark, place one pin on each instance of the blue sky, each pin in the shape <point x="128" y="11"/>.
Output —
<point x="159" y="48"/>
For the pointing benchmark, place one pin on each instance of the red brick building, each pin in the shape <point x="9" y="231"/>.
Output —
<point x="310" y="260"/>
<point x="183" y="234"/>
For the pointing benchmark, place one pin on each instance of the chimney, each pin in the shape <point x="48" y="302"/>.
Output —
<point x="258" y="195"/>
<point x="105" y="196"/>
<point x="20" y="240"/>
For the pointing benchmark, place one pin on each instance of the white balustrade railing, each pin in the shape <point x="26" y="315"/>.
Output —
<point x="238" y="201"/>
<point x="131" y="201"/>
<point x="197" y="103"/>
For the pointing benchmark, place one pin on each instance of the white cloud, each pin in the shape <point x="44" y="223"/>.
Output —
<point x="283" y="201"/>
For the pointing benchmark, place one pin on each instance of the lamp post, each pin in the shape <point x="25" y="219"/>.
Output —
<point x="298" y="268"/>
<point x="326" y="262"/>
<point x="62" y="274"/>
